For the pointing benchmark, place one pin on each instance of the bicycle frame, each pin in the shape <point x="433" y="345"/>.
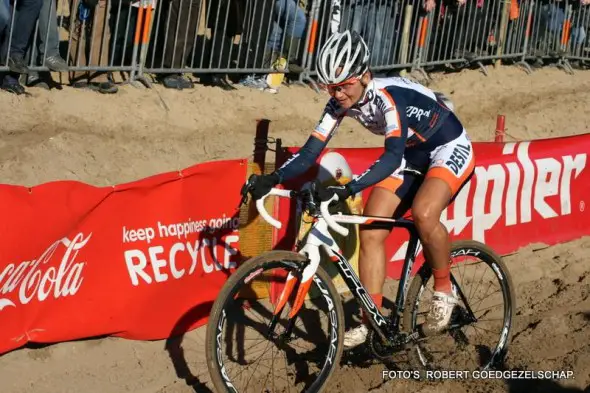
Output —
<point x="319" y="237"/>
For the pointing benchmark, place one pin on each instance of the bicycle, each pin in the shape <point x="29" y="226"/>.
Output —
<point x="302" y="269"/>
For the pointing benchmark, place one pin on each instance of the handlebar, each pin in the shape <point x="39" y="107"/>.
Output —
<point x="289" y="194"/>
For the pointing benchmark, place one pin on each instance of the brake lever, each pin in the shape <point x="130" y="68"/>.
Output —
<point x="243" y="201"/>
<point x="308" y="199"/>
<point x="244" y="192"/>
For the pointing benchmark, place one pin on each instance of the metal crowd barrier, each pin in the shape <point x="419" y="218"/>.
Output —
<point x="241" y="37"/>
<point x="559" y="33"/>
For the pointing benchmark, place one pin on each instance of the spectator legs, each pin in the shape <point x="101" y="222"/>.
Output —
<point x="45" y="51"/>
<point x="368" y="18"/>
<point x="27" y="12"/>
<point x="121" y="44"/>
<point x="471" y="25"/>
<point x="9" y="82"/>
<point x="4" y="17"/>
<point x="26" y="15"/>
<point x="380" y="21"/>
<point x="290" y="20"/>
<point x="48" y="33"/>
<point x="209" y="52"/>
<point x="92" y="37"/>
<point x="179" y="39"/>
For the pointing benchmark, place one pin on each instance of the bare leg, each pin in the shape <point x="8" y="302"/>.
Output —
<point x="432" y="198"/>
<point x="372" y="259"/>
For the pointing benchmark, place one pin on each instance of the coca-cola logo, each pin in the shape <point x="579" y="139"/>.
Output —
<point x="41" y="278"/>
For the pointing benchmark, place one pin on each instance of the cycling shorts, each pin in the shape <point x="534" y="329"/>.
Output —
<point x="452" y="162"/>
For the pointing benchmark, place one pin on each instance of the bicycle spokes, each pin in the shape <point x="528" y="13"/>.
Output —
<point x="477" y="332"/>
<point x="259" y="347"/>
<point x="466" y="315"/>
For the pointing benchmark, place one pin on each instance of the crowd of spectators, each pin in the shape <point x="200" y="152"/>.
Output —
<point x="89" y="40"/>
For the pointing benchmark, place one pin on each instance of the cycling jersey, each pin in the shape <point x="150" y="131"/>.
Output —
<point x="406" y="113"/>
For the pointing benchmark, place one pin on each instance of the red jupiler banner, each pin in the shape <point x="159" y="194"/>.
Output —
<point x="142" y="260"/>
<point x="522" y="193"/>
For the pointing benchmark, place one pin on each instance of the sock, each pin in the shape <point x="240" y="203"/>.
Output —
<point x="442" y="280"/>
<point x="378" y="300"/>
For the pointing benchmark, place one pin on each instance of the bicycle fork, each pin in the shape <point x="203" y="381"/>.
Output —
<point x="304" y="279"/>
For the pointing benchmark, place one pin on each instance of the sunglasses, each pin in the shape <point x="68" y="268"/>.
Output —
<point x="332" y="88"/>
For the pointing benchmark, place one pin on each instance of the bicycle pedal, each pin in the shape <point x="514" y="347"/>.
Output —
<point x="411" y="338"/>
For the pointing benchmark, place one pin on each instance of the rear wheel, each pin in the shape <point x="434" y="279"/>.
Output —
<point x="245" y="355"/>
<point x="480" y="327"/>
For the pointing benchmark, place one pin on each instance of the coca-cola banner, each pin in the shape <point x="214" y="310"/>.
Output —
<point x="522" y="193"/>
<point x="137" y="260"/>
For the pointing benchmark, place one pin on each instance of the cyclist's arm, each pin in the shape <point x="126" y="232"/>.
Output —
<point x="317" y="141"/>
<point x="396" y="133"/>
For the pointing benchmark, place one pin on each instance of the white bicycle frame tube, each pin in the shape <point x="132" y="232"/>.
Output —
<point x="319" y="236"/>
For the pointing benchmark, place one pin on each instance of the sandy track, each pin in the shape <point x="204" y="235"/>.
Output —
<point x="79" y="135"/>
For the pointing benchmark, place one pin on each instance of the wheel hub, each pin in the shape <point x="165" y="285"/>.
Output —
<point x="461" y="317"/>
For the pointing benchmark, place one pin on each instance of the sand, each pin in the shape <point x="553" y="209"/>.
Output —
<point x="104" y="140"/>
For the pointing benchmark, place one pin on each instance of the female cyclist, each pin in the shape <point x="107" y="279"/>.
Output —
<point x="419" y="131"/>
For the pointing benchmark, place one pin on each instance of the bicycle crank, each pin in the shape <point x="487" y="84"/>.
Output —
<point x="385" y="351"/>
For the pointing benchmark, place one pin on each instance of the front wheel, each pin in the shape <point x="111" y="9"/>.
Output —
<point x="480" y="326"/>
<point x="249" y="349"/>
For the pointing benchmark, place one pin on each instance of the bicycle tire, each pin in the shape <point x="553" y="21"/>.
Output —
<point x="490" y="258"/>
<point x="220" y="381"/>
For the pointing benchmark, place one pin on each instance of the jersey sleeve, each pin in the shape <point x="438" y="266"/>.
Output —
<point x="325" y="129"/>
<point x="396" y="133"/>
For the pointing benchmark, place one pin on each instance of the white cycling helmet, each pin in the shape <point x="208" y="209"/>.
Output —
<point x="347" y="50"/>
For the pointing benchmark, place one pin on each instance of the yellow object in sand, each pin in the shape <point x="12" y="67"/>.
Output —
<point x="275" y="79"/>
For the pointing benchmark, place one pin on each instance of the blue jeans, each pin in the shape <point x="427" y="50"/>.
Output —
<point x="556" y="18"/>
<point x="47" y="44"/>
<point x="27" y="12"/>
<point x="373" y="20"/>
<point x="578" y="35"/>
<point x="48" y="34"/>
<point x="5" y="11"/>
<point x="292" y="19"/>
